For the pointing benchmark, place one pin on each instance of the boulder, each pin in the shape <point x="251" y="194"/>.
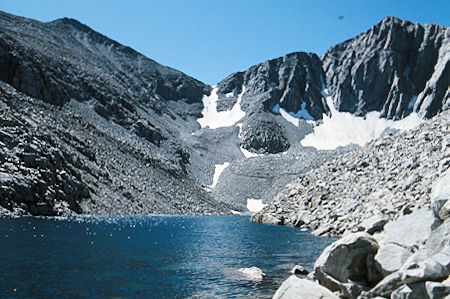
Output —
<point x="412" y="291"/>
<point x="295" y="287"/>
<point x="391" y="257"/>
<point x="444" y="212"/>
<point x="252" y="273"/>
<point x="423" y="271"/>
<point x="402" y="237"/>
<point x="373" y="224"/>
<point x="386" y="286"/>
<point x="346" y="261"/>
<point x="436" y="290"/>
<point x="440" y="196"/>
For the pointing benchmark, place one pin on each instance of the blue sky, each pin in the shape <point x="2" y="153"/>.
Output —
<point x="210" y="39"/>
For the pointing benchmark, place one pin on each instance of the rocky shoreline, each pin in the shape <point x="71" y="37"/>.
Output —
<point x="390" y="203"/>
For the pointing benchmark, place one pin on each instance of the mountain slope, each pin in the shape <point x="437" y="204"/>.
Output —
<point x="54" y="163"/>
<point x="120" y="112"/>
<point x="389" y="176"/>
<point x="172" y="144"/>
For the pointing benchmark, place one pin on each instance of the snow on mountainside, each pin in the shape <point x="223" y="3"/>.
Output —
<point x="344" y="128"/>
<point x="254" y="122"/>
<point x="390" y="176"/>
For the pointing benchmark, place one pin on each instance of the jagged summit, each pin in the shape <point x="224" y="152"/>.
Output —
<point x="387" y="68"/>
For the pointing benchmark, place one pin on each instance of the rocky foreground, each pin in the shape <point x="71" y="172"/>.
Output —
<point x="390" y="202"/>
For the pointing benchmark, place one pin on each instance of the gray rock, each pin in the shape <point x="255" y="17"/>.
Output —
<point x="444" y="212"/>
<point x="345" y="261"/>
<point x="423" y="271"/>
<point x="401" y="238"/>
<point x="295" y="287"/>
<point x="373" y="224"/>
<point x="386" y="286"/>
<point x="436" y="290"/>
<point x="440" y="195"/>
<point x="412" y="291"/>
<point x="263" y="136"/>
<point x="390" y="257"/>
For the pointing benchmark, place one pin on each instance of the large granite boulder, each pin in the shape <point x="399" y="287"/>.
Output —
<point x="294" y="287"/>
<point x="402" y="237"/>
<point x="347" y="265"/>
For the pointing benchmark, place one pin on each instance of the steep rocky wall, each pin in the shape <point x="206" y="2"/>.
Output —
<point x="396" y="67"/>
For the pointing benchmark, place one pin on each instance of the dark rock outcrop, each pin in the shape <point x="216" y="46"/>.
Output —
<point x="263" y="136"/>
<point x="396" y="67"/>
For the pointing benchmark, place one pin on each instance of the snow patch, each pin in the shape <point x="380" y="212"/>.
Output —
<point x="255" y="205"/>
<point x="239" y="125"/>
<point x="293" y="118"/>
<point x="248" y="154"/>
<point x="213" y="119"/>
<point x="343" y="128"/>
<point x="218" y="169"/>
<point x="229" y="95"/>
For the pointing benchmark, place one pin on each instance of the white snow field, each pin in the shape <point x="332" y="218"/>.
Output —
<point x="213" y="119"/>
<point x="343" y="128"/>
<point x="218" y="169"/>
<point x="293" y="118"/>
<point x="249" y="154"/>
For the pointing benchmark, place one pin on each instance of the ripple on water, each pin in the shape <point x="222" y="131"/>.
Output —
<point x="156" y="255"/>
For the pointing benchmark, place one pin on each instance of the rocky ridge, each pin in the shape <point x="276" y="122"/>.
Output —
<point x="396" y="67"/>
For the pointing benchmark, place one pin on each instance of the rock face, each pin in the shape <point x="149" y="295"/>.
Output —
<point x="396" y="67"/>
<point x="291" y="82"/>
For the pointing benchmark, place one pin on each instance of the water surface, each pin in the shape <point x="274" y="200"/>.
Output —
<point x="148" y="256"/>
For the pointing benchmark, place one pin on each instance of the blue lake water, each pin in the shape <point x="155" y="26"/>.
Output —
<point x="148" y="256"/>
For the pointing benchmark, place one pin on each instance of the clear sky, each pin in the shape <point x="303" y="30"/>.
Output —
<point x="210" y="39"/>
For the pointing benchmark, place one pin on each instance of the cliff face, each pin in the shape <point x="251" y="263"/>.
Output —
<point x="396" y="67"/>
<point x="293" y="82"/>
